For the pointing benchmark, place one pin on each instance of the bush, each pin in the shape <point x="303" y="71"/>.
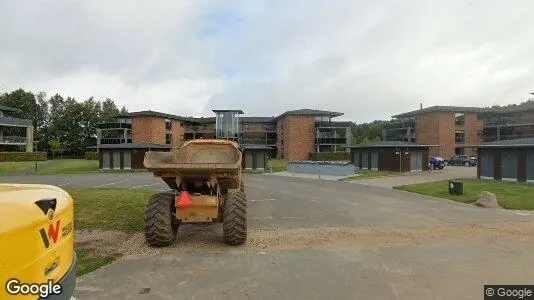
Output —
<point x="330" y="156"/>
<point x="22" y="156"/>
<point x="91" y="155"/>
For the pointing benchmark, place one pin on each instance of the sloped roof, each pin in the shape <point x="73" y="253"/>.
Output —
<point x="155" y="114"/>
<point x="431" y="109"/>
<point x="256" y="119"/>
<point x="314" y="112"/>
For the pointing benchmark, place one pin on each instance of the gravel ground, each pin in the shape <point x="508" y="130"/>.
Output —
<point x="209" y="237"/>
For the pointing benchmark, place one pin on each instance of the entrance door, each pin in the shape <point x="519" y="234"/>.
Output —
<point x="416" y="161"/>
<point x="374" y="160"/>
<point x="116" y="160"/>
<point x="105" y="159"/>
<point x="127" y="159"/>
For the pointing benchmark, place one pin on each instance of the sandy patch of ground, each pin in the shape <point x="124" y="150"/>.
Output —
<point x="203" y="238"/>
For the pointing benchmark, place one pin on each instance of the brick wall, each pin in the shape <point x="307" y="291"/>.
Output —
<point x="300" y="137"/>
<point x="177" y="131"/>
<point x="148" y="129"/>
<point x="436" y="128"/>
<point x="472" y="127"/>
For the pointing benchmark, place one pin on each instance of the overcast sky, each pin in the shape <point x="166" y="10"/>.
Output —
<point x="367" y="59"/>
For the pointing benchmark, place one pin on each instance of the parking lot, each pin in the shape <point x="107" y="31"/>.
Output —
<point x="314" y="239"/>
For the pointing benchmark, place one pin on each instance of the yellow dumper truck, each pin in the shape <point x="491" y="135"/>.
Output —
<point x="37" y="257"/>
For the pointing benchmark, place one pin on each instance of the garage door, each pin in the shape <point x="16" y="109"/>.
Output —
<point x="509" y="165"/>
<point x="365" y="159"/>
<point x="486" y="165"/>
<point x="105" y="159"/>
<point x="416" y="161"/>
<point x="374" y="160"/>
<point x="260" y="160"/>
<point x="127" y="159"/>
<point x="116" y="160"/>
<point x="356" y="159"/>
<point x="530" y="165"/>
<point x="249" y="159"/>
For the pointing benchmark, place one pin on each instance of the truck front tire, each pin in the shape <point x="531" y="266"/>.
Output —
<point x="235" y="218"/>
<point x="160" y="226"/>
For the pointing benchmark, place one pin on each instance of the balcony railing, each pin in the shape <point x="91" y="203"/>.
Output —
<point x="115" y="141"/>
<point x="114" y="125"/>
<point x="339" y="124"/>
<point x="13" y="140"/>
<point x="269" y="142"/>
<point x="332" y="141"/>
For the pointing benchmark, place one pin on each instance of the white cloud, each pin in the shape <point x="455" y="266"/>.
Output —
<point x="368" y="59"/>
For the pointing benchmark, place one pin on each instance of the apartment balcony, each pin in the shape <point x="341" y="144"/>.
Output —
<point x="194" y="129"/>
<point x="13" y="140"/>
<point x="331" y="141"/>
<point x="15" y="122"/>
<point x="115" y="141"/>
<point x="268" y="142"/>
<point x="266" y="128"/>
<point x="114" y="125"/>
<point x="332" y="124"/>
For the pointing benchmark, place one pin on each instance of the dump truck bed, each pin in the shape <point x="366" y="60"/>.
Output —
<point x="196" y="156"/>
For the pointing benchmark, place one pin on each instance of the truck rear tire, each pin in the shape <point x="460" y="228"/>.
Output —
<point x="235" y="218"/>
<point x="160" y="228"/>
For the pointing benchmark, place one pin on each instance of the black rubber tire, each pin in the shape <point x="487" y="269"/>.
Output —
<point x="235" y="218"/>
<point x="160" y="223"/>
<point x="467" y="164"/>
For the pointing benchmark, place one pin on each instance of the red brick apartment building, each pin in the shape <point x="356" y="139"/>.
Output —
<point x="292" y="135"/>
<point x="453" y="127"/>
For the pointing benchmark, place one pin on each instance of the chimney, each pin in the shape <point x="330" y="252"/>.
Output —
<point x="421" y="105"/>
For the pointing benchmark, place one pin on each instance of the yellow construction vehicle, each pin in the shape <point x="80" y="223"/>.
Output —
<point x="37" y="258"/>
<point x="206" y="186"/>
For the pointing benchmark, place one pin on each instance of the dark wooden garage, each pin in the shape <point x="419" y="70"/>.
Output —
<point x="390" y="156"/>
<point x="125" y="156"/>
<point x="254" y="156"/>
<point x="509" y="160"/>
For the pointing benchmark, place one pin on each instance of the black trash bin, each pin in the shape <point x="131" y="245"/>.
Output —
<point x="456" y="188"/>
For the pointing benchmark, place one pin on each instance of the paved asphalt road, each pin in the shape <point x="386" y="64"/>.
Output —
<point x="444" y="268"/>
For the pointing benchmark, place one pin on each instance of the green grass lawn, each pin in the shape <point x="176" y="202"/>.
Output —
<point x="276" y="165"/>
<point x="109" y="209"/>
<point x="510" y="195"/>
<point x="106" y="209"/>
<point x="88" y="262"/>
<point x="55" y="166"/>
<point x="16" y="166"/>
<point x="368" y="174"/>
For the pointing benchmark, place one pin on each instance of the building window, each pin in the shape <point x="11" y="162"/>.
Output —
<point x="459" y="137"/>
<point x="168" y="124"/>
<point x="168" y="139"/>
<point x="480" y="134"/>
<point x="459" y="119"/>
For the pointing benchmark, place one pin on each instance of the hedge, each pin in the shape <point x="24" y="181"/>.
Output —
<point x="91" y="155"/>
<point x="22" y="156"/>
<point x="330" y="156"/>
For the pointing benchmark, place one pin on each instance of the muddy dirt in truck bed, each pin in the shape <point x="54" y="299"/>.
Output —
<point x="202" y="238"/>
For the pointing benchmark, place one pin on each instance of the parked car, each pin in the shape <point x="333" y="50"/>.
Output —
<point x="436" y="162"/>
<point x="461" y="160"/>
